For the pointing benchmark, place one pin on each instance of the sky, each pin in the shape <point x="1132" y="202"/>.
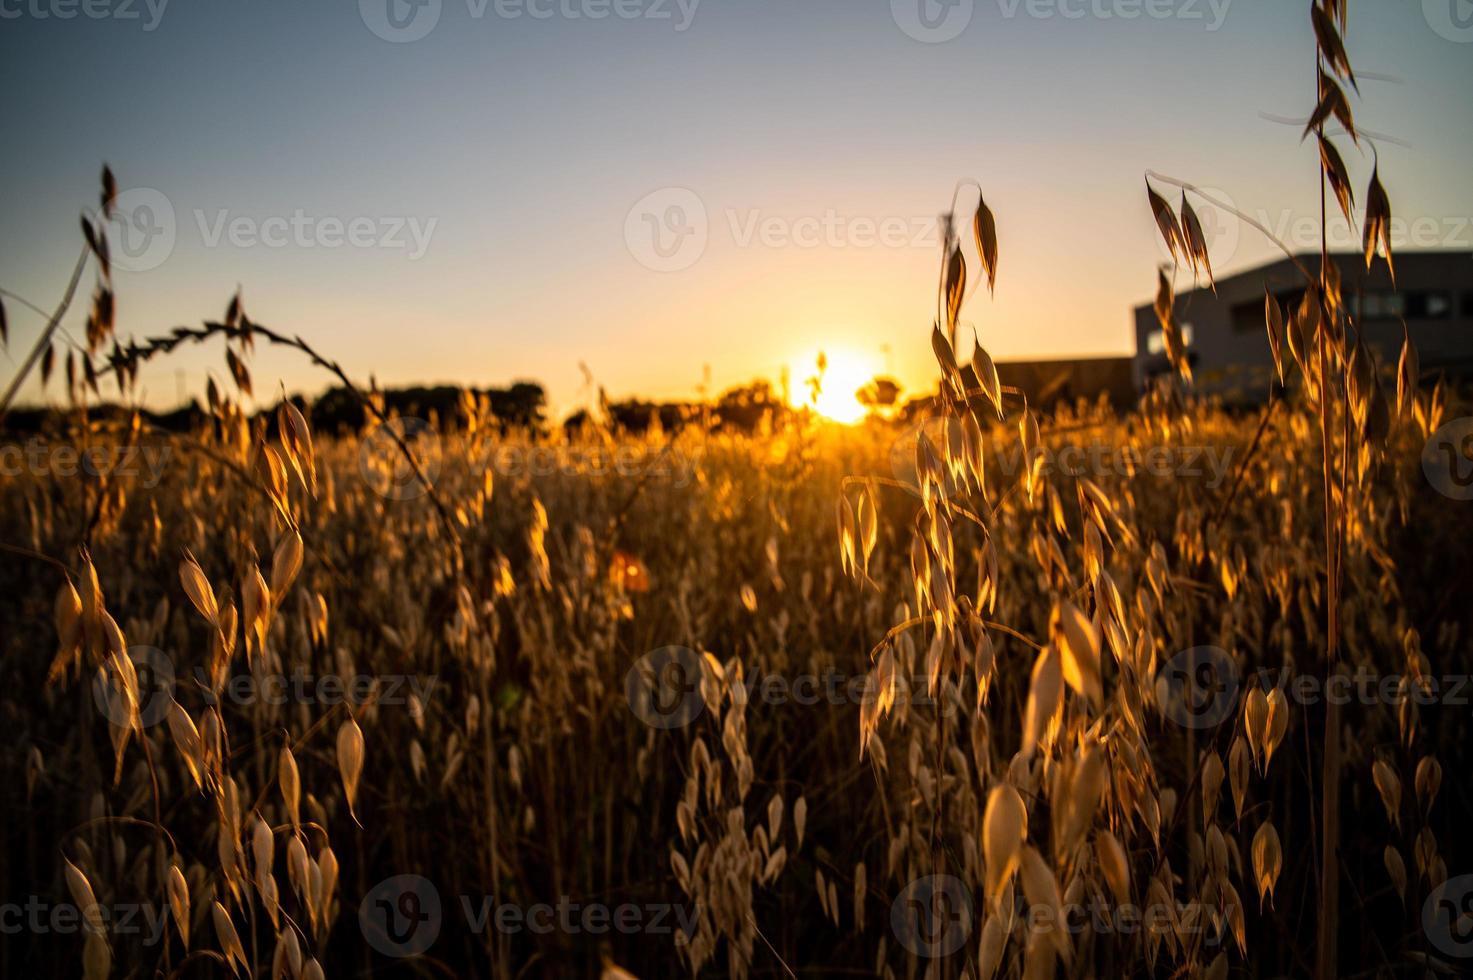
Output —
<point x="477" y="191"/>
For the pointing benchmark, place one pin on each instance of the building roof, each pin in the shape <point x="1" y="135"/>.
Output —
<point x="1352" y="268"/>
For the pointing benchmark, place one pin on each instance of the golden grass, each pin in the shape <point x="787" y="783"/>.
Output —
<point x="988" y="734"/>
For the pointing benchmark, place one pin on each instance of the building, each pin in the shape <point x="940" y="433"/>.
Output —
<point x="1227" y="343"/>
<point x="1048" y="383"/>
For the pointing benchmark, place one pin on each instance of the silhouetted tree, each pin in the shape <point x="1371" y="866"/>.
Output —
<point x="881" y="393"/>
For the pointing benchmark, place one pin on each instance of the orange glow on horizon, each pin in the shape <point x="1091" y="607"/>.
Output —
<point x="845" y="373"/>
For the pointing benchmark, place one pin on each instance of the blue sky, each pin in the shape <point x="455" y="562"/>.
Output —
<point x="469" y="206"/>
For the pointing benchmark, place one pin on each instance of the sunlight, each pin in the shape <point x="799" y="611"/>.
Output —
<point x="846" y="373"/>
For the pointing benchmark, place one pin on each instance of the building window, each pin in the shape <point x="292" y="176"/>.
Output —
<point x="1429" y="305"/>
<point x="1250" y="317"/>
<point x="1380" y="304"/>
<point x="1413" y="305"/>
<point x="1247" y="317"/>
<point x="1156" y="340"/>
<point x="1290" y="299"/>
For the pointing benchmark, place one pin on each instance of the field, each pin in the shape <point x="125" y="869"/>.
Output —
<point x="985" y="689"/>
<point x="497" y="744"/>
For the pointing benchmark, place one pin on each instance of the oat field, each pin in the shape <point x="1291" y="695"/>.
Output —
<point x="634" y="675"/>
<point x="984" y="691"/>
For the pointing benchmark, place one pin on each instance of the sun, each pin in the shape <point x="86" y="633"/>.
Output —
<point x="845" y="373"/>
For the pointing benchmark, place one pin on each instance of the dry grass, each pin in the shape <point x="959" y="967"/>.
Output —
<point x="525" y="756"/>
<point x="909" y="755"/>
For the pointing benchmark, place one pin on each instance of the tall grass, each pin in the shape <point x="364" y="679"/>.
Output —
<point x="1012" y="693"/>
